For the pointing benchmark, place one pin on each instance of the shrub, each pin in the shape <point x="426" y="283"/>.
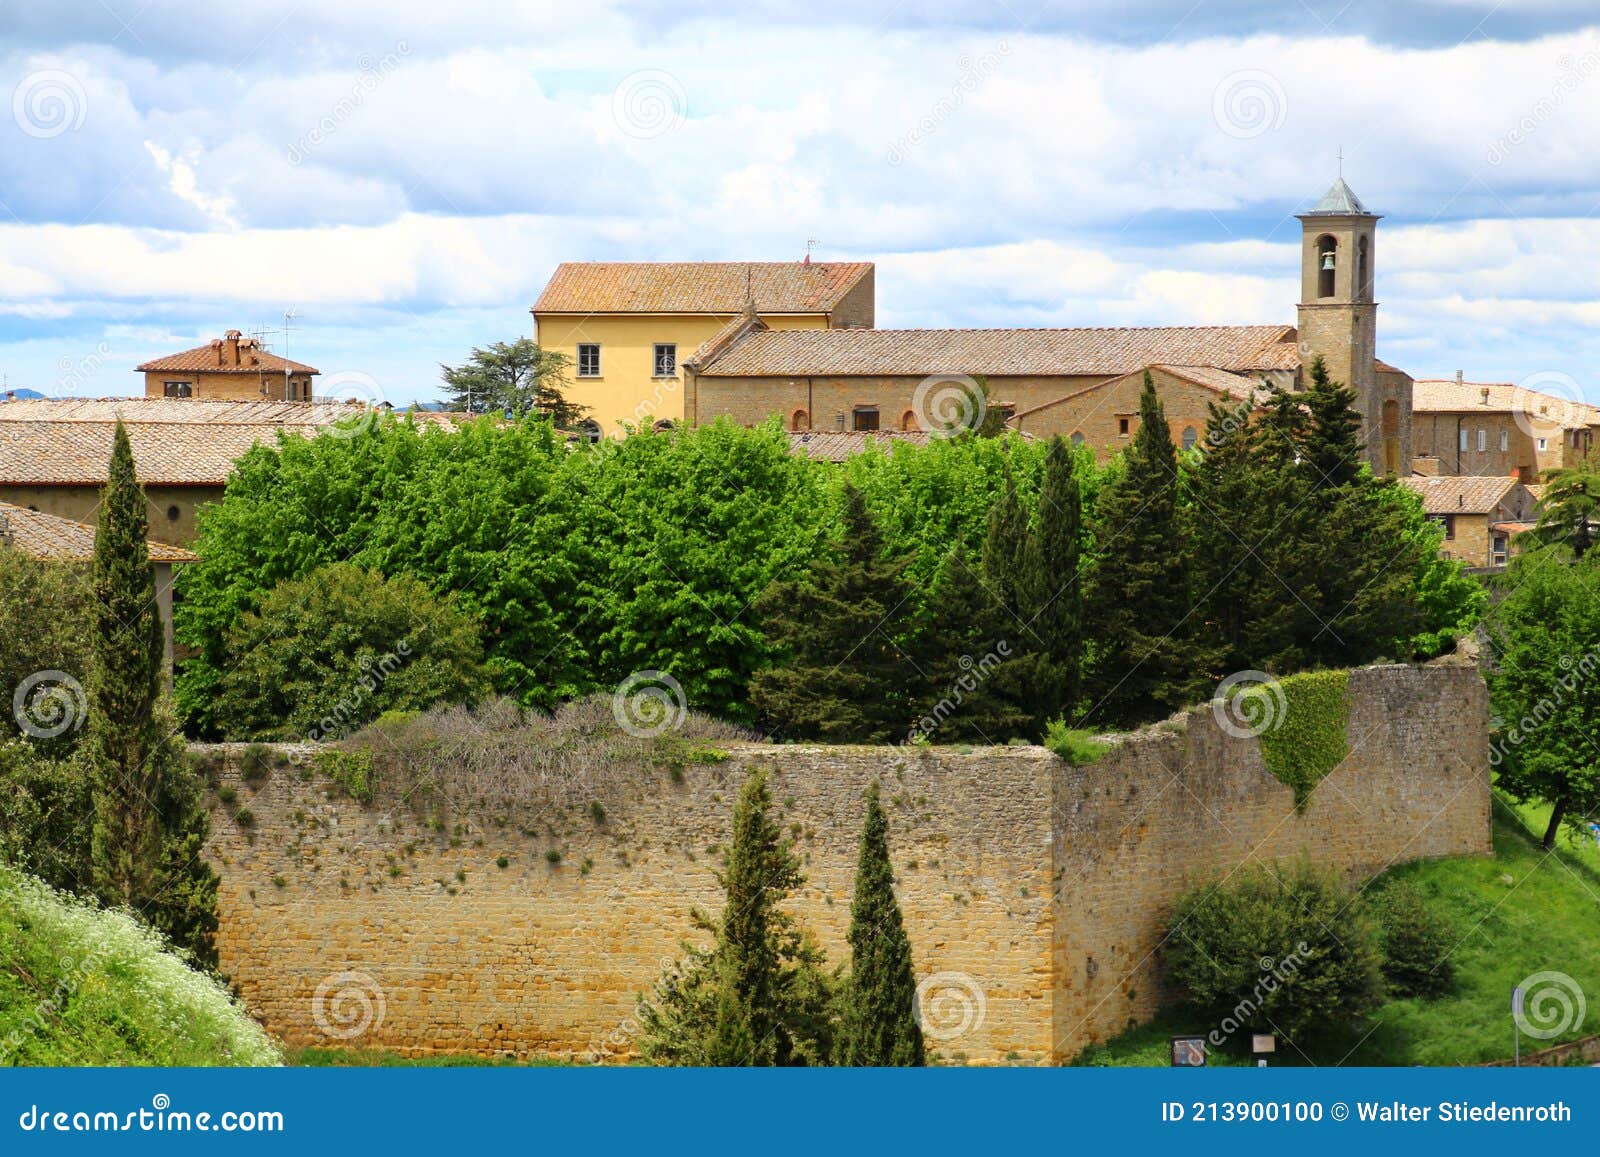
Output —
<point x="1075" y="745"/>
<point x="256" y="763"/>
<point x="47" y="609"/>
<point x="349" y="770"/>
<point x="1416" y="942"/>
<point x="1302" y="722"/>
<point x="1279" y="949"/>
<point x="330" y="652"/>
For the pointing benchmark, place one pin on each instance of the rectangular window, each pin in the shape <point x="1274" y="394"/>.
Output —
<point x="1448" y="521"/>
<point x="589" y="360"/>
<point x="1544" y="444"/>
<point x="1122" y="426"/>
<point x="866" y="418"/>
<point x="1483" y="440"/>
<point x="666" y="360"/>
<point x="178" y="389"/>
<point x="1500" y="550"/>
<point x="1463" y="437"/>
<point x="1505" y="440"/>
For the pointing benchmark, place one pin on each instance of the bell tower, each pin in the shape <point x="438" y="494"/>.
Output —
<point x="1338" y="319"/>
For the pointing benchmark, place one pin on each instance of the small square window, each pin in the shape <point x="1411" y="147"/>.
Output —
<point x="865" y="418"/>
<point x="1544" y="443"/>
<point x="666" y="360"/>
<point x="589" y="360"/>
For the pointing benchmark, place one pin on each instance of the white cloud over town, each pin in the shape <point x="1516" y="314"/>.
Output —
<point x="408" y="176"/>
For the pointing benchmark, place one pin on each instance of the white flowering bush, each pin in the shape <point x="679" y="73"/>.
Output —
<point x="84" y="986"/>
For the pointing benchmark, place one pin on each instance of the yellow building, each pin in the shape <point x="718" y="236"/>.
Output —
<point x="628" y="326"/>
<point x="232" y="368"/>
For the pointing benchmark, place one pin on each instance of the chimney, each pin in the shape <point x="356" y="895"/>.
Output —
<point x="1483" y="395"/>
<point x="1459" y="376"/>
<point x="231" y="340"/>
<point x="216" y="344"/>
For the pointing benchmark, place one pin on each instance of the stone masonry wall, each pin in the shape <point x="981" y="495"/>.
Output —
<point x="1034" y="893"/>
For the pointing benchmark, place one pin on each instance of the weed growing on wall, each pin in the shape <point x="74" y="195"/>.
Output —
<point x="1307" y="739"/>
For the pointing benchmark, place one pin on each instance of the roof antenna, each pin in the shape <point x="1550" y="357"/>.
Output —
<point x="811" y="243"/>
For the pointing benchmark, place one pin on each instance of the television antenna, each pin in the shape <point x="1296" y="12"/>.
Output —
<point x="288" y="318"/>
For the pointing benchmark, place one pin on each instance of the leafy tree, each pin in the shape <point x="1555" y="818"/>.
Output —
<point x="46" y="817"/>
<point x="1545" y="636"/>
<point x="1146" y="663"/>
<point x="878" y="1025"/>
<point x="1417" y="941"/>
<point x="518" y="378"/>
<point x="328" y="653"/>
<point x="149" y="822"/>
<point x="844" y="629"/>
<point x="965" y="648"/>
<point x="44" y="626"/>
<point x="1569" y="508"/>
<point x="1275" y="950"/>
<point x="757" y="997"/>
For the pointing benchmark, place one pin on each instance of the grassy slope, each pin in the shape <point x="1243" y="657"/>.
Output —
<point x="80" y="986"/>
<point x="1546" y="918"/>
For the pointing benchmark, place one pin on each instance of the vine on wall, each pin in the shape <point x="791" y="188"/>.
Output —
<point x="1307" y="739"/>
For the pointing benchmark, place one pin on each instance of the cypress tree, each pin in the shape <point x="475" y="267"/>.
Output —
<point x="966" y="650"/>
<point x="1053" y="588"/>
<point x="1331" y="447"/>
<point x="149" y="820"/>
<point x="758" y="996"/>
<point x="879" y="1024"/>
<point x="845" y="630"/>
<point x="1147" y="661"/>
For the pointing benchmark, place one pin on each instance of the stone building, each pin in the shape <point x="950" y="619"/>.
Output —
<point x="1081" y="383"/>
<point x="1497" y="429"/>
<point x="53" y="452"/>
<point x="232" y="367"/>
<point x="626" y="326"/>
<point x="1480" y="516"/>
<point x="44" y="536"/>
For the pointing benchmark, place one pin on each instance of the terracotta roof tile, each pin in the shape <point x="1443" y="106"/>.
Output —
<point x="837" y="445"/>
<point x="1032" y="352"/>
<point x="1447" y="396"/>
<point x="215" y="357"/>
<point x="164" y="453"/>
<point x="699" y="286"/>
<point x="197" y="411"/>
<point x="1460" y="495"/>
<point x="60" y="539"/>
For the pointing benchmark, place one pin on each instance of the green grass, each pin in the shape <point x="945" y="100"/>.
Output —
<point x="1546" y="918"/>
<point x="324" y="1058"/>
<point x="81" y="986"/>
<point x="1074" y="744"/>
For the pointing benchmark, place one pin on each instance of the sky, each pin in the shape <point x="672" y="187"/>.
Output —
<point x="405" y="175"/>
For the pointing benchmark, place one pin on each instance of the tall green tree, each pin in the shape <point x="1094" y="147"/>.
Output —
<point x="149" y="820"/>
<point x="845" y="630"/>
<point x="757" y="997"/>
<point x="1545" y="685"/>
<point x="1147" y="660"/>
<point x="1331" y="446"/>
<point x="1052" y="587"/>
<point x="518" y="377"/>
<point x="966" y="649"/>
<point x="878" y="1025"/>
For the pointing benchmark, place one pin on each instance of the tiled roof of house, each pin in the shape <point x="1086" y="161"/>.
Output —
<point x="1448" y="396"/>
<point x="1460" y="495"/>
<point x="699" y="286"/>
<point x="837" y="445"/>
<point x="1239" y="387"/>
<point x="164" y="453"/>
<point x="1032" y="352"/>
<point x="63" y="540"/>
<point x="196" y="411"/>
<point x="234" y="354"/>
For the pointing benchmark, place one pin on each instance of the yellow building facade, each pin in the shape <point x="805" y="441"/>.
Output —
<point x="627" y="327"/>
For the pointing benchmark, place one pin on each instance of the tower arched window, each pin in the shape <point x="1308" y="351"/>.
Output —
<point x="1190" y="437"/>
<point x="1327" y="265"/>
<point x="1364" y="269"/>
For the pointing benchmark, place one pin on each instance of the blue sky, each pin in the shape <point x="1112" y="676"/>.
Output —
<point x="406" y="174"/>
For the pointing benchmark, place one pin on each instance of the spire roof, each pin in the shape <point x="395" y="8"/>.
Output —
<point x="1340" y="201"/>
